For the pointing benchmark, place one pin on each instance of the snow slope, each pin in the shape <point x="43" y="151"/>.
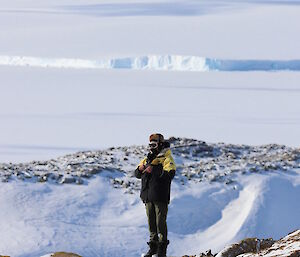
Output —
<point x="98" y="220"/>
<point x="102" y="217"/>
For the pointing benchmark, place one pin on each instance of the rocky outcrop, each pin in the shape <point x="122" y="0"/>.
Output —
<point x="199" y="162"/>
<point x="253" y="245"/>
<point x="288" y="246"/>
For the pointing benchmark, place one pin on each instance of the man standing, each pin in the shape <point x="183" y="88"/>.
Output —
<point x="156" y="171"/>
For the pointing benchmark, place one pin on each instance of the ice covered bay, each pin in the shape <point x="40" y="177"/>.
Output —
<point x="48" y="112"/>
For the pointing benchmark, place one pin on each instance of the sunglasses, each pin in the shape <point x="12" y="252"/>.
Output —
<point x="153" y="145"/>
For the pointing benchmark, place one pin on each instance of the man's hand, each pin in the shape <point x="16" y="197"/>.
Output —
<point x="142" y="168"/>
<point x="148" y="169"/>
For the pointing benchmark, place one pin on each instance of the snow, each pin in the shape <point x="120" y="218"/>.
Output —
<point x="242" y="216"/>
<point x="96" y="219"/>
<point x="46" y="113"/>
<point x="44" y="218"/>
<point x="177" y="63"/>
<point x="220" y="195"/>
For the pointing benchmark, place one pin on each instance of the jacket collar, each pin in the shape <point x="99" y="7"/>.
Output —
<point x="164" y="152"/>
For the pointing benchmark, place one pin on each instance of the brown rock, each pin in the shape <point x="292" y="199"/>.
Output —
<point x="248" y="245"/>
<point x="63" y="254"/>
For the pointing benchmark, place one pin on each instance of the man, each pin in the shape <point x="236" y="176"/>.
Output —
<point x="156" y="171"/>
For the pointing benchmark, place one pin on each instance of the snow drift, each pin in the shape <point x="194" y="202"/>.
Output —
<point x="155" y="62"/>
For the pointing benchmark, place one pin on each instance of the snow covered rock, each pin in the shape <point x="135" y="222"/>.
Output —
<point x="245" y="246"/>
<point x="196" y="160"/>
<point x="288" y="246"/>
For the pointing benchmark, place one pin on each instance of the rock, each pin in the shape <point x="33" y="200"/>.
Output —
<point x="248" y="245"/>
<point x="67" y="180"/>
<point x="229" y="181"/>
<point x="266" y="243"/>
<point x="207" y="254"/>
<point x="43" y="178"/>
<point x="5" y="179"/>
<point x="62" y="254"/>
<point x="79" y="181"/>
<point x="288" y="246"/>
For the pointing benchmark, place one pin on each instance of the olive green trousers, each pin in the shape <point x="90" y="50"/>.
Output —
<point x="157" y="221"/>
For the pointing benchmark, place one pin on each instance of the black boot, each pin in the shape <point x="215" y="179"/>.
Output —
<point x="162" y="248"/>
<point x="153" y="246"/>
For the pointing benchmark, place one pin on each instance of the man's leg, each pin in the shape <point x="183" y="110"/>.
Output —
<point x="150" y="210"/>
<point x="161" y="210"/>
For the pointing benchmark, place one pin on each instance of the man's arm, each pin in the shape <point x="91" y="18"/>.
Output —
<point x="140" y="168"/>
<point x="137" y="173"/>
<point x="169" y="168"/>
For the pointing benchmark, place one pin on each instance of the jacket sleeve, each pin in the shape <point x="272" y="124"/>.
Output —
<point x="137" y="172"/>
<point x="168" y="174"/>
<point x="169" y="167"/>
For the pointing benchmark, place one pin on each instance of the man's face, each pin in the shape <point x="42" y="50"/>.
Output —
<point x="153" y="145"/>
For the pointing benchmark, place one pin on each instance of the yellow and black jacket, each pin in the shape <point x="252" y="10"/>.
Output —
<point x="156" y="186"/>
